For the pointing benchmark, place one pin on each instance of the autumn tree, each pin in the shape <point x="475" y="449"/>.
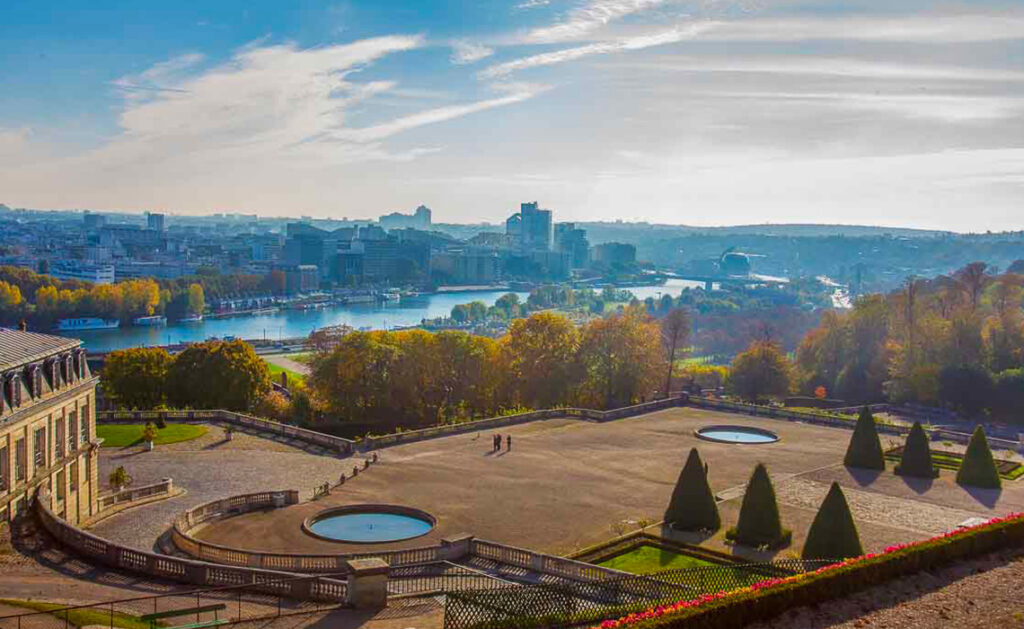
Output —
<point x="218" y="375"/>
<point x="540" y="353"/>
<point x="353" y="378"/>
<point x="196" y="299"/>
<point x="761" y="371"/>
<point x="622" y="358"/>
<point x="10" y="297"/>
<point x="136" y="378"/>
<point x="675" y="331"/>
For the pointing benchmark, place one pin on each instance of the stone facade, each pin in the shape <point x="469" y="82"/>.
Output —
<point x="47" y="426"/>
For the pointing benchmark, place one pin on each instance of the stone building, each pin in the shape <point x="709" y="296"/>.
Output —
<point x="47" y="425"/>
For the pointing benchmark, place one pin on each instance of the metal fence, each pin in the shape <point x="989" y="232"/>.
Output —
<point x="437" y="578"/>
<point x="568" y="603"/>
<point x="214" y="606"/>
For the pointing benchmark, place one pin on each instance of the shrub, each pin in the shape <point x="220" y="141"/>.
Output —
<point x="759" y="523"/>
<point x="865" y="449"/>
<point x="833" y="534"/>
<point x="917" y="455"/>
<point x="692" y="506"/>
<point x="978" y="469"/>
<point x="149" y="432"/>
<point x="119" y="478"/>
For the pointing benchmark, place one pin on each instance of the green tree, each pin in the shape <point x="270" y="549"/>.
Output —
<point x="865" y="449"/>
<point x="917" y="455"/>
<point x="978" y="469"/>
<point x="761" y="371"/>
<point x="218" y="375"/>
<point x="759" y="523"/>
<point x="833" y="533"/>
<point x="692" y="506"/>
<point x="967" y="388"/>
<point x="136" y="378"/>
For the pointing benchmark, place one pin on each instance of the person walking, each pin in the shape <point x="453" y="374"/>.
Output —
<point x="508" y="443"/>
<point x="497" y="442"/>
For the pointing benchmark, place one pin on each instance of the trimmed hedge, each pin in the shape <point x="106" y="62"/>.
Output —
<point x="833" y="534"/>
<point x="759" y="523"/>
<point x="978" y="469"/>
<point x="917" y="455"/>
<point x="865" y="449"/>
<point x="771" y="598"/>
<point x="692" y="506"/>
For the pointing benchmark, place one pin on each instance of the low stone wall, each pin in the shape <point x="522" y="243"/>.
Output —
<point x="520" y="418"/>
<point x="339" y="444"/>
<point x="835" y="422"/>
<point x="182" y="570"/>
<point x="135" y="494"/>
<point x="543" y="563"/>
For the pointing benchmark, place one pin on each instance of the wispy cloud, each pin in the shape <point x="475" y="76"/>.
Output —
<point x="589" y="17"/>
<point x="639" y="42"/>
<point x="464" y="52"/>
<point x="532" y="4"/>
<point x="937" y="29"/>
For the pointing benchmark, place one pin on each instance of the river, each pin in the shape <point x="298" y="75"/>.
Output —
<point x="286" y="324"/>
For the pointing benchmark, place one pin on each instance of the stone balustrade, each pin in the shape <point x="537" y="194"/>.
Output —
<point x="181" y="570"/>
<point x="134" y="494"/>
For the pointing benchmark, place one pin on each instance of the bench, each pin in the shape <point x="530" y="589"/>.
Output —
<point x="173" y="613"/>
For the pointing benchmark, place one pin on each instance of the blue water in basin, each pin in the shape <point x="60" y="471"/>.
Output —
<point x="738" y="435"/>
<point x="370" y="527"/>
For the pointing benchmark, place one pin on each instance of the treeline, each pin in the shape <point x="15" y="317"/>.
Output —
<point x="211" y="375"/>
<point x="955" y="341"/>
<point x="417" y="378"/>
<point x="510" y="306"/>
<point x="41" y="299"/>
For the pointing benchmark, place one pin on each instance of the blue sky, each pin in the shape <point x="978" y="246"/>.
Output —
<point x="672" y="111"/>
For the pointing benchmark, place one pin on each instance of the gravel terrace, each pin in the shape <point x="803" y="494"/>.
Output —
<point x="209" y="468"/>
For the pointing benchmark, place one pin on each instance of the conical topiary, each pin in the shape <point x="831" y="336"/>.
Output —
<point x="759" y="523"/>
<point x="692" y="506"/>
<point x="978" y="468"/>
<point x="865" y="449"/>
<point x="917" y="456"/>
<point x="833" y="534"/>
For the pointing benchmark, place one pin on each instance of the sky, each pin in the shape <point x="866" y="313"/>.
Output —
<point x="702" y="112"/>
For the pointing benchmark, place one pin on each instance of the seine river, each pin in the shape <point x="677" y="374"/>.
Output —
<point x="286" y="324"/>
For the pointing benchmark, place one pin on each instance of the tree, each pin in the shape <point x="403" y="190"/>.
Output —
<point x="149" y="433"/>
<point x="218" y="375"/>
<point x="967" y="388"/>
<point x="119" y="478"/>
<point x="761" y="371"/>
<point x="196" y="299"/>
<point x="833" y="533"/>
<point x="972" y="278"/>
<point x="622" y="358"/>
<point x="1008" y="397"/>
<point x="978" y="469"/>
<point x="917" y="455"/>
<point x="692" y="506"/>
<point x="675" y="330"/>
<point x="136" y="378"/>
<point x="10" y="297"/>
<point x="865" y="449"/>
<point x="759" y="523"/>
<point x="541" y="357"/>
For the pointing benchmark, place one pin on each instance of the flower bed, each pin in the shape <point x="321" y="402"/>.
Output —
<point x="1008" y="470"/>
<point x="771" y="597"/>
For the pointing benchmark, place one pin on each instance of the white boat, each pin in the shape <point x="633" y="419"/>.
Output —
<point x="391" y="295"/>
<point x="149" y="321"/>
<point x="191" y="319"/>
<point x="87" y="323"/>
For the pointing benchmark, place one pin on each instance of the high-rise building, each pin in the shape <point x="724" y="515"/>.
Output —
<point x="613" y="253"/>
<point x="419" y="219"/>
<point x="573" y="241"/>
<point x="155" y="221"/>
<point x="94" y="221"/>
<point x="531" y="227"/>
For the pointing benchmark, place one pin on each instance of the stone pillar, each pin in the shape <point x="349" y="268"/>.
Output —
<point x="367" y="583"/>
<point x="456" y="547"/>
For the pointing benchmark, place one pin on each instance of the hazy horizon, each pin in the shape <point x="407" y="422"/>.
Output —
<point x="665" y="111"/>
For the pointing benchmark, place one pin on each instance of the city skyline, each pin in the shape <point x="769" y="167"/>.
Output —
<point x="647" y="110"/>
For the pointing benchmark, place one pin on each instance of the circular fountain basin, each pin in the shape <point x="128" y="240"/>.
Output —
<point x="369" y="524"/>
<point x="737" y="434"/>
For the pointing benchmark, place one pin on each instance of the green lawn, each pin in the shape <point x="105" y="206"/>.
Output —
<point x="121" y="435"/>
<point x="1008" y="470"/>
<point x="277" y="370"/>
<point x="645" y="559"/>
<point x="82" y="617"/>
